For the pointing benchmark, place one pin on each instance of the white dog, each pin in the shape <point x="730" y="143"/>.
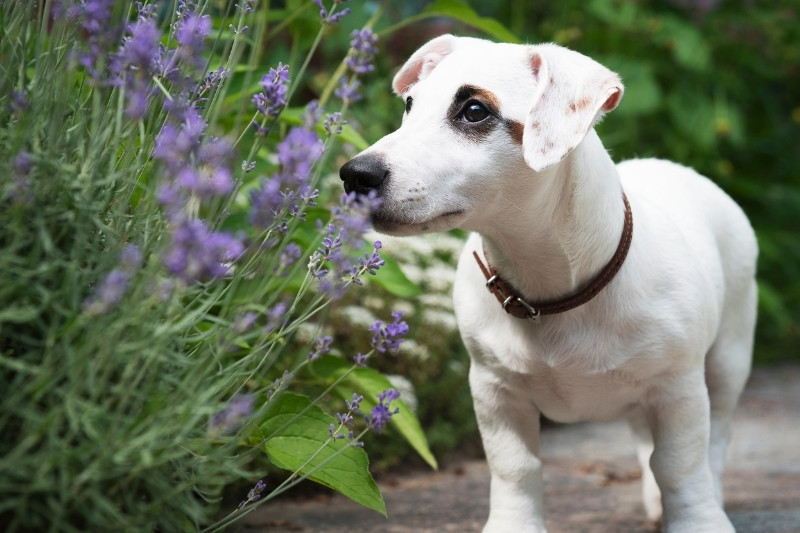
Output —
<point x="596" y="320"/>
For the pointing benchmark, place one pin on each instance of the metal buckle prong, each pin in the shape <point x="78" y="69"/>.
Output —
<point x="490" y="282"/>
<point x="533" y="313"/>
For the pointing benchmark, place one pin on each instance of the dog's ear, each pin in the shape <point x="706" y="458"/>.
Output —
<point x="572" y="93"/>
<point x="422" y="62"/>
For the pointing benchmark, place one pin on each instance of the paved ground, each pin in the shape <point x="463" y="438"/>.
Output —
<point x="591" y="480"/>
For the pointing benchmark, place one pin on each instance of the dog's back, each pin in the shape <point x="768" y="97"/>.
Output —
<point x="679" y="199"/>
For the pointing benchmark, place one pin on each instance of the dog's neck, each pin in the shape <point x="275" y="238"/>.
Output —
<point x="553" y="241"/>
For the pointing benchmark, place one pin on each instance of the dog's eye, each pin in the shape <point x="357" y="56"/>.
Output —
<point x="409" y="101"/>
<point x="474" y="112"/>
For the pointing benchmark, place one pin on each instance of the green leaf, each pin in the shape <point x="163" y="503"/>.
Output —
<point x="391" y="277"/>
<point x="462" y="12"/>
<point x="617" y="13"/>
<point x="642" y="92"/>
<point x="686" y="42"/>
<point x="19" y="314"/>
<point x="693" y="115"/>
<point x="370" y="383"/>
<point x="298" y="441"/>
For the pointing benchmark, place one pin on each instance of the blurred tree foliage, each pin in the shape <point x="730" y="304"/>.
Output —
<point x="713" y="85"/>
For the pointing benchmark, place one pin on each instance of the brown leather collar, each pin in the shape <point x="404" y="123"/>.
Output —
<point x="514" y="304"/>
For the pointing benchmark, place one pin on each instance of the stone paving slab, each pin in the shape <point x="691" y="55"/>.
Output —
<point x="591" y="480"/>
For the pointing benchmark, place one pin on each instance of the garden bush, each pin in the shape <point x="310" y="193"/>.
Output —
<point x="167" y="263"/>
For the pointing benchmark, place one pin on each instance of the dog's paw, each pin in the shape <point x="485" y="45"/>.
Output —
<point x="508" y="526"/>
<point x="712" y="521"/>
<point x="651" y="497"/>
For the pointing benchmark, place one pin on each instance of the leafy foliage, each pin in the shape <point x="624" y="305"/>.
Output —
<point x="167" y="261"/>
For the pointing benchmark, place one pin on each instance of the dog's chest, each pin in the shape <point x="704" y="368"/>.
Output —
<point x="568" y="395"/>
<point x="569" y="379"/>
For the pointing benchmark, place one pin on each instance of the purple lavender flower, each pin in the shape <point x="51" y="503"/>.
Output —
<point x="352" y="216"/>
<point x="321" y="346"/>
<point x="312" y="114"/>
<point x="22" y="163"/>
<point x="332" y="17"/>
<point x="362" y="51"/>
<point x="330" y="263"/>
<point x="110" y="291"/>
<point x="146" y="11"/>
<point x="211" y="82"/>
<point x="372" y="262"/>
<point x="190" y="34"/>
<point x="333" y="434"/>
<point x="360" y="360"/>
<point x="346" y="419"/>
<point x="287" y="192"/>
<point x="333" y="123"/>
<point x="135" y="63"/>
<point x="199" y="254"/>
<point x="275" y="84"/>
<point x="298" y="152"/>
<point x="244" y="322"/>
<point x="93" y="14"/>
<point x="380" y="415"/>
<point x="290" y="254"/>
<point x="266" y="203"/>
<point x="21" y="166"/>
<point x="18" y="103"/>
<point x="328" y="251"/>
<point x="354" y="404"/>
<point x="230" y="419"/>
<point x="195" y="166"/>
<point x="176" y="143"/>
<point x="245" y="7"/>
<point x="94" y="17"/>
<point x="140" y="49"/>
<point x="276" y="317"/>
<point x="130" y="258"/>
<point x="213" y="161"/>
<point x="388" y="336"/>
<point x="254" y="494"/>
<point x="348" y="90"/>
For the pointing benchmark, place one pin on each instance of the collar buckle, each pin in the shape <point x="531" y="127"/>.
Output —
<point x="531" y="312"/>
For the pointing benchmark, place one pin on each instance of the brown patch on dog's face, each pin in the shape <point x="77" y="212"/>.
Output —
<point x="474" y="112"/>
<point x="515" y="130"/>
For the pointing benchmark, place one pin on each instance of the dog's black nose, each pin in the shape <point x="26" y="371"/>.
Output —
<point x="363" y="174"/>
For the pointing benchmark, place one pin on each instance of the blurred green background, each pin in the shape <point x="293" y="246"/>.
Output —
<point x="713" y="85"/>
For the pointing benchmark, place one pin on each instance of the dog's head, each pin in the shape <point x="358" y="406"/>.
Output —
<point x="479" y="117"/>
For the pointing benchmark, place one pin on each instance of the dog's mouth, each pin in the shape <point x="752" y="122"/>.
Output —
<point x="393" y="225"/>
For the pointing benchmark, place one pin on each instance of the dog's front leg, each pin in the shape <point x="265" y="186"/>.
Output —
<point x="679" y="417"/>
<point x="509" y="426"/>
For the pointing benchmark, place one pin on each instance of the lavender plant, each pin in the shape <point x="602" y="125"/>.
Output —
<point x="161" y="257"/>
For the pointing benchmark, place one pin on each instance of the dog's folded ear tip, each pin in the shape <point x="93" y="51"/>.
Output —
<point x="613" y="99"/>
<point x="538" y="164"/>
<point x="422" y="62"/>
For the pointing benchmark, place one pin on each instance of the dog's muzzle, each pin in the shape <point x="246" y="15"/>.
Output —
<point x="363" y="174"/>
